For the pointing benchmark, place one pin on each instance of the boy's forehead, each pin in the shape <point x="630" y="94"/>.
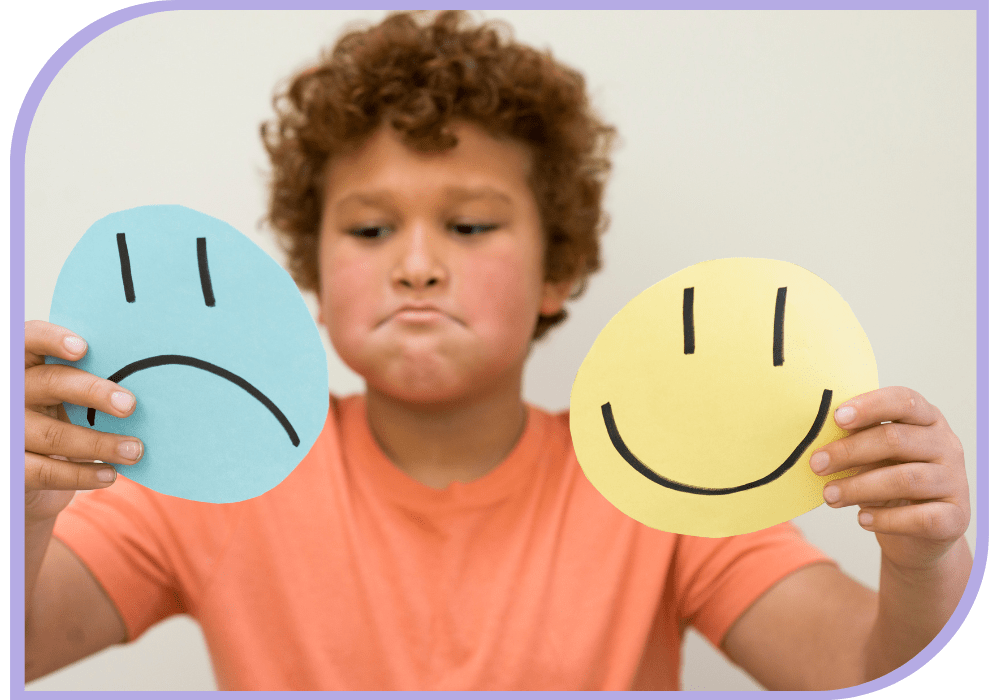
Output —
<point x="478" y="167"/>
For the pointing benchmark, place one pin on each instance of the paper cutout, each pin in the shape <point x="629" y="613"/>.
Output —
<point x="214" y="340"/>
<point x="717" y="442"/>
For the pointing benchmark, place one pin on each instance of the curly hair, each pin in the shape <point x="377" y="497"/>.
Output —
<point x="417" y="77"/>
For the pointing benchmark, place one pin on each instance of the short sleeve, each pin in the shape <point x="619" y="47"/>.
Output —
<point x="143" y="548"/>
<point x="717" y="579"/>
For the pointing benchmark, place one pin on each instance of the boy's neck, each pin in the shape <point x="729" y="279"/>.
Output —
<point x="442" y="444"/>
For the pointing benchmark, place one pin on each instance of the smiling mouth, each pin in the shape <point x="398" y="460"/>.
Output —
<point x="160" y="360"/>
<point x="636" y="463"/>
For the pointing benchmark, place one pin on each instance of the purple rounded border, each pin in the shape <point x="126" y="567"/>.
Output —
<point x="95" y="29"/>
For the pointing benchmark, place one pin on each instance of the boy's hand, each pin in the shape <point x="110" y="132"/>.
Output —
<point x="911" y="484"/>
<point x="59" y="456"/>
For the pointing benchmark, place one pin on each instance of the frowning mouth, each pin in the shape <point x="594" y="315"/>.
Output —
<point x="419" y="316"/>
<point x="637" y="464"/>
<point x="160" y="360"/>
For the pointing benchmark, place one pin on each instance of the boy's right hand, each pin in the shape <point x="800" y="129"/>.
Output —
<point x="59" y="456"/>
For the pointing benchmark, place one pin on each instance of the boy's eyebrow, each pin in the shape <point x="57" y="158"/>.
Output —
<point x="460" y="194"/>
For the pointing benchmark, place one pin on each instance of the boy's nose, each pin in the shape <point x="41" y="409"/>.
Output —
<point x="419" y="265"/>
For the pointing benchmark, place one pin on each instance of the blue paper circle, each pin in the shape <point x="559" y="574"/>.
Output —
<point x="218" y="346"/>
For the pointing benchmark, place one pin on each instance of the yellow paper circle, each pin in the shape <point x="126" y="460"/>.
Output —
<point x="696" y="412"/>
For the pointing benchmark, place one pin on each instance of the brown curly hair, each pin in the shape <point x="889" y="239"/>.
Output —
<point x="417" y="77"/>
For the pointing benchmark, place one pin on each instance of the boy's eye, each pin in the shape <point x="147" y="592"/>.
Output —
<point x="369" y="231"/>
<point x="382" y="231"/>
<point x="472" y="229"/>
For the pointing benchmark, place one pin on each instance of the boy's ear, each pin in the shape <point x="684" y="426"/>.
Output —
<point x="554" y="295"/>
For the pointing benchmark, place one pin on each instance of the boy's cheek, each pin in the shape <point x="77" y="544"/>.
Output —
<point x="503" y="303"/>
<point x="348" y="291"/>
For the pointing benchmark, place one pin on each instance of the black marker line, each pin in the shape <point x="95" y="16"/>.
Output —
<point x="126" y="269"/>
<point x="779" y="327"/>
<point x="206" y="281"/>
<point x="689" y="321"/>
<point x="616" y="440"/>
<point x="159" y="360"/>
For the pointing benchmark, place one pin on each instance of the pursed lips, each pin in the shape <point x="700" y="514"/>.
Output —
<point x="418" y="314"/>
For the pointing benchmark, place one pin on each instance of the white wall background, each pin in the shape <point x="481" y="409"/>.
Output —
<point x="841" y="141"/>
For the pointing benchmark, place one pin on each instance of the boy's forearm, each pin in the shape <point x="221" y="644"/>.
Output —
<point x="37" y="536"/>
<point x="67" y="614"/>
<point x="913" y="607"/>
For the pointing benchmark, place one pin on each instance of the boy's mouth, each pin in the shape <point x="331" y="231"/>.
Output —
<point x="419" y="314"/>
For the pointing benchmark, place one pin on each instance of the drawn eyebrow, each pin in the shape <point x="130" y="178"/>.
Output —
<point x="689" y="321"/>
<point x="206" y="281"/>
<point x="779" y="327"/>
<point x="126" y="269"/>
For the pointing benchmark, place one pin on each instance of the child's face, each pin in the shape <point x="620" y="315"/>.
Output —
<point x="431" y="266"/>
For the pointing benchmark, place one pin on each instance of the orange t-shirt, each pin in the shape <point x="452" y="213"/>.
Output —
<point x="351" y="575"/>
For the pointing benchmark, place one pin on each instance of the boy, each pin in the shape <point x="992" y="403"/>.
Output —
<point x="440" y="534"/>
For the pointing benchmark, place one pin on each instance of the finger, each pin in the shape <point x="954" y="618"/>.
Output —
<point x="46" y="473"/>
<point x="937" y="520"/>
<point x="897" y="442"/>
<point x="891" y="403"/>
<point x="42" y="338"/>
<point x="861" y="469"/>
<point x="914" y="481"/>
<point x="48" y="385"/>
<point x="49" y="436"/>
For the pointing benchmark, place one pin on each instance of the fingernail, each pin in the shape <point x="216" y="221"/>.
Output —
<point x="122" y="400"/>
<point x="819" y="461"/>
<point x="106" y="476"/>
<point x="866" y="519"/>
<point x="75" y="344"/>
<point x="845" y="414"/>
<point x="831" y="494"/>
<point x="130" y="449"/>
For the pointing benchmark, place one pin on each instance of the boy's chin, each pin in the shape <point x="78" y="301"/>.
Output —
<point x="431" y="390"/>
<point x="437" y="375"/>
<point x="425" y="389"/>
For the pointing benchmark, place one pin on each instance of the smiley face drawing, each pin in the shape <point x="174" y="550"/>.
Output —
<point x="698" y="406"/>
<point x="211" y="336"/>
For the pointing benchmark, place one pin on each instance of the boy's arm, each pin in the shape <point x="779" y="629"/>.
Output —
<point x="69" y="616"/>
<point x="817" y="628"/>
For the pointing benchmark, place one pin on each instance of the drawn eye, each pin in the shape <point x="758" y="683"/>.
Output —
<point x="689" y="321"/>
<point x="779" y="327"/>
<point x="126" y="269"/>
<point x="778" y="348"/>
<point x="206" y="281"/>
<point x="203" y="274"/>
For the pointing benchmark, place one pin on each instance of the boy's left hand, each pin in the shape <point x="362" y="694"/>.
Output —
<point x="911" y="482"/>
